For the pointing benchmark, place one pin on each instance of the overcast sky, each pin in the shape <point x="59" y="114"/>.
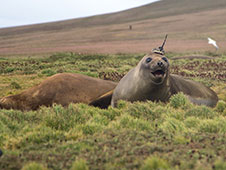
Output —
<point x="24" y="12"/>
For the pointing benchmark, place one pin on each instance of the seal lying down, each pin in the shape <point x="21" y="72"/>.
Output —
<point x="63" y="89"/>
<point x="151" y="80"/>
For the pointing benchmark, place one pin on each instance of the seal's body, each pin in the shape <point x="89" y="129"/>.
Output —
<point x="64" y="88"/>
<point x="151" y="80"/>
<point x="196" y="92"/>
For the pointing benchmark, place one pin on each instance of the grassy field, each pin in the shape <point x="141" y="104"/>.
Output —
<point x="176" y="135"/>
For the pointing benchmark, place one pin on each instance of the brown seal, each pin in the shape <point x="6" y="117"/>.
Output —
<point x="64" y="88"/>
<point x="151" y="80"/>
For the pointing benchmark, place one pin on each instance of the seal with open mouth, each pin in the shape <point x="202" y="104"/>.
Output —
<point x="147" y="81"/>
<point x="151" y="80"/>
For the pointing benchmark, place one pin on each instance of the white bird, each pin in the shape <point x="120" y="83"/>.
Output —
<point x="213" y="42"/>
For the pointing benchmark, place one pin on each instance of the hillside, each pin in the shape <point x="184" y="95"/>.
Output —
<point x="188" y="23"/>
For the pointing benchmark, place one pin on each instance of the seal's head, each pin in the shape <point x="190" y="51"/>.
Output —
<point x="155" y="65"/>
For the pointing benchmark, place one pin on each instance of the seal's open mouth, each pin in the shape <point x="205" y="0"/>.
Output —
<point x="158" y="73"/>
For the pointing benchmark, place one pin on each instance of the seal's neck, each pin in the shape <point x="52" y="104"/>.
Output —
<point x="161" y="92"/>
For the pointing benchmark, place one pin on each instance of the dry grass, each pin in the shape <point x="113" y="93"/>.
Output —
<point x="188" y="29"/>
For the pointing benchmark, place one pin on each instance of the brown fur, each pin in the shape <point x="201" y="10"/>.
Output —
<point x="64" y="88"/>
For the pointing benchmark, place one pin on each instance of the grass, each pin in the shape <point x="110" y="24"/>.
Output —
<point x="140" y="135"/>
<point x="118" y="138"/>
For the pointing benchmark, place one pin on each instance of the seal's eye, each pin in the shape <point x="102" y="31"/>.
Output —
<point x="148" y="60"/>
<point x="165" y="59"/>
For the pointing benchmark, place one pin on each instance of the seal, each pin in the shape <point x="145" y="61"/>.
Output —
<point x="63" y="89"/>
<point x="151" y="80"/>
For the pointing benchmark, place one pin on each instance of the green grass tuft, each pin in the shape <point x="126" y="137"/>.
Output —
<point x="155" y="163"/>
<point x="221" y="107"/>
<point x="201" y="112"/>
<point x="34" y="166"/>
<point x="178" y="100"/>
<point x="9" y="70"/>
<point x="209" y="126"/>
<point x="48" y="72"/>
<point x="79" y="165"/>
<point x="15" y="85"/>
<point x="219" y="165"/>
<point x="173" y="126"/>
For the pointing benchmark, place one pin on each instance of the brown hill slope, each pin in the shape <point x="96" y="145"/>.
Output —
<point x="188" y="23"/>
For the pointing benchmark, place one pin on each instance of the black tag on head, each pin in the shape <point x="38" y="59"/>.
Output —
<point x="160" y="49"/>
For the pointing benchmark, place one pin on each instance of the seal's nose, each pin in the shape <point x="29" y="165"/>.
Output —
<point x="160" y="64"/>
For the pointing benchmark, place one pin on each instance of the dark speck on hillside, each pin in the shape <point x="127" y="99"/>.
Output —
<point x="1" y="153"/>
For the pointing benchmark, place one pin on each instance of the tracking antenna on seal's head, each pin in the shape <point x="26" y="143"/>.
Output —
<point x="160" y="50"/>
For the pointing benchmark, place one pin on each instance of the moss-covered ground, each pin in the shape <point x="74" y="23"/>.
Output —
<point x="174" y="135"/>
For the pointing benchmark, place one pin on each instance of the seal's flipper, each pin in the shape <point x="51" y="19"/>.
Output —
<point x="103" y="101"/>
<point x="202" y="101"/>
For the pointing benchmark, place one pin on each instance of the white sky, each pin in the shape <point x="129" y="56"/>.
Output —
<point x="24" y="12"/>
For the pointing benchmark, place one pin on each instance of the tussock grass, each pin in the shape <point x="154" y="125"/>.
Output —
<point x="126" y="136"/>
<point x="34" y="166"/>
<point x="179" y="100"/>
<point x="201" y="112"/>
<point x="155" y="163"/>
<point x="221" y="107"/>
<point x="219" y="164"/>
<point x="139" y="135"/>
<point x="79" y="165"/>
